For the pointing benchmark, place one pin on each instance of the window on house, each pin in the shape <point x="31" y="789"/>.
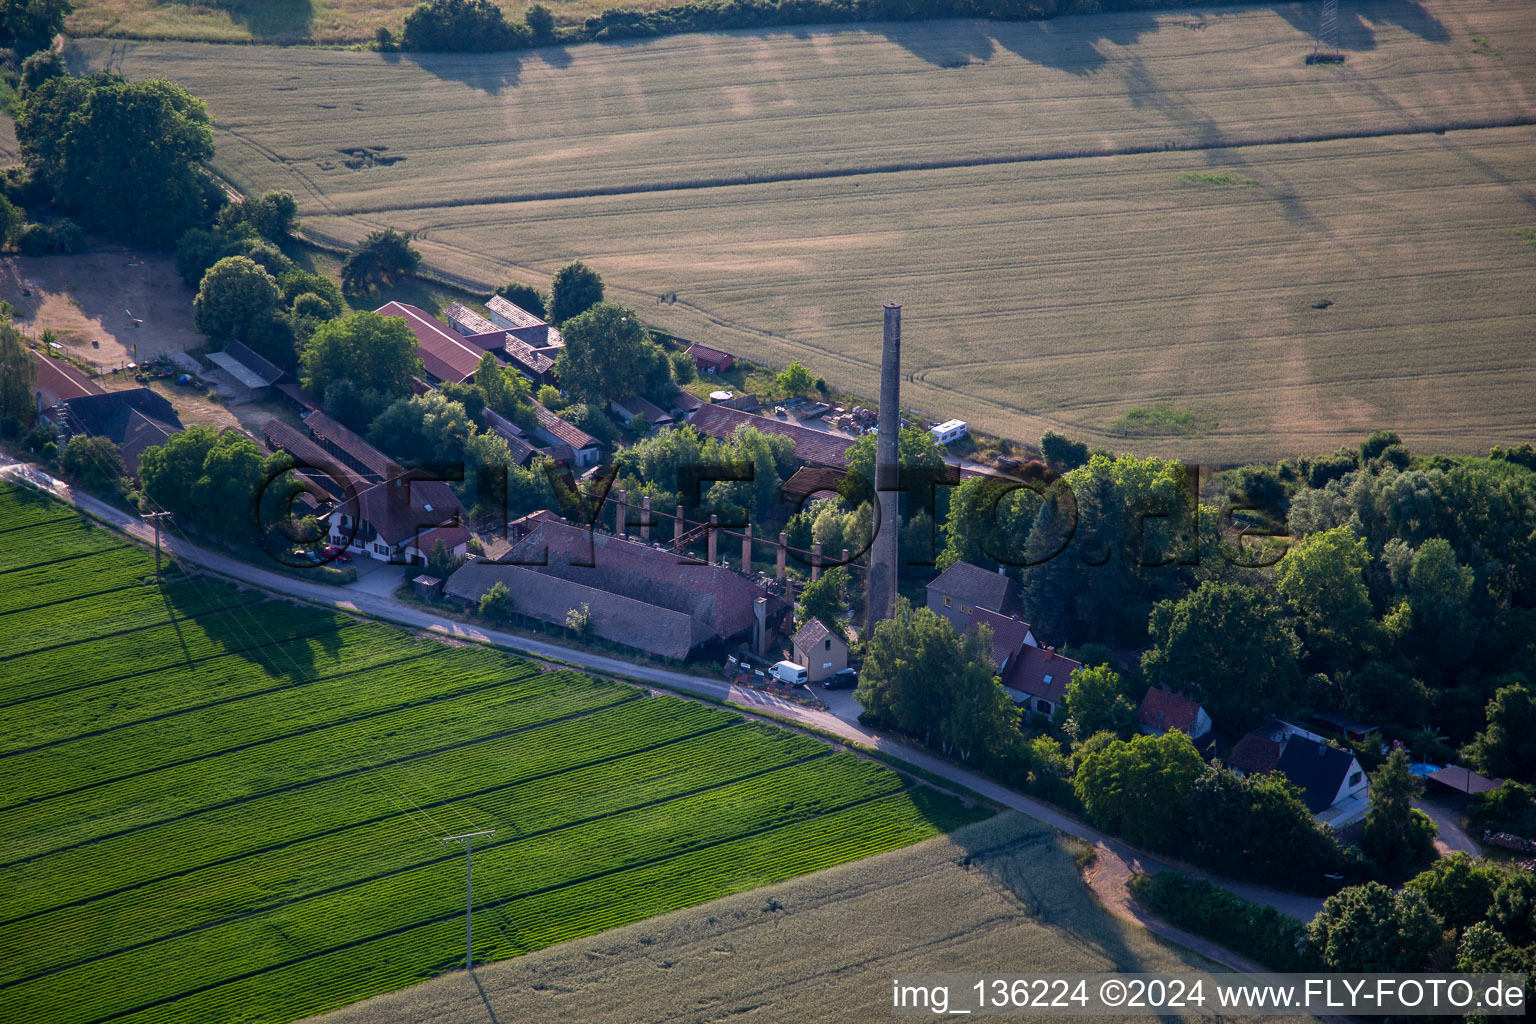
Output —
<point x="964" y="610"/>
<point x="1048" y="680"/>
<point x="828" y="643"/>
<point x="1043" y="705"/>
<point x="1354" y="778"/>
<point x="947" y="602"/>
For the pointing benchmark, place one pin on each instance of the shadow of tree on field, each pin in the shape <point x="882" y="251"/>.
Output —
<point x="489" y="73"/>
<point x="268" y="21"/>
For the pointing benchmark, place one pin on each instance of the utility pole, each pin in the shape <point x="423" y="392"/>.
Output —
<point x="155" y="517"/>
<point x="469" y="893"/>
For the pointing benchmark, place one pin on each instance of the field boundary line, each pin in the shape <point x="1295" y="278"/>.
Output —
<point x="65" y="558"/>
<point x="318" y="780"/>
<point x="955" y="163"/>
<point x="456" y="915"/>
<point x="427" y="862"/>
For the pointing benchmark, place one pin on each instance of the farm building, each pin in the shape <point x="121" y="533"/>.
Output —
<point x="552" y="431"/>
<point x="1163" y="711"/>
<point x="949" y="431"/>
<point x="58" y="381"/>
<point x="636" y="595"/>
<point x="710" y="360"/>
<point x="466" y="321"/>
<point x="813" y="446"/>
<point x="1332" y="783"/>
<point x="629" y="408"/>
<point x="821" y="651"/>
<point x="250" y="376"/>
<point x="446" y="356"/>
<point x="523" y="325"/>
<point x="808" y="482"/>
<point x="134" y="420"/>
<point x="964" y="587"/>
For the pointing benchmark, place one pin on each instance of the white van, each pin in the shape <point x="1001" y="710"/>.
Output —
<point x="790" y="673"/>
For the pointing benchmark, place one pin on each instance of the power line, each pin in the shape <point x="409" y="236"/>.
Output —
<point x="469" y="892"/>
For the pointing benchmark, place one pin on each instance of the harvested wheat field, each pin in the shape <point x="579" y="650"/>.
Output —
<point x="823" y="947"/>
<point x="1082" y="216"/>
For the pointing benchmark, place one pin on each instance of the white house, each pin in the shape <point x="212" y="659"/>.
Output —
<point x="1332" y="783"/>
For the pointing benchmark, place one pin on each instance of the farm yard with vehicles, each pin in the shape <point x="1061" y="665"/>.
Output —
<point x="221" y="805"/>
<point x="1085" y="216"/>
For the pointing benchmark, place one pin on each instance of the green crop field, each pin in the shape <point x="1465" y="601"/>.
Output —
<point x="219" y="807"/>
<point x="1083" y="216"/>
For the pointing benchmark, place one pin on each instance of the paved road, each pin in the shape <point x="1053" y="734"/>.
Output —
<point x="383" y="607"/>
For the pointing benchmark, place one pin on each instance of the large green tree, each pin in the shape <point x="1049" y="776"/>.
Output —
<point x="988" y="523"/>
<point x="824" y="599"/>
<point x="1322" y="580"/>
<point x="208" y="480"/>
<point x="1141" y="788"/>
<point x="608" y="355"/>
<point x="28" y="26"/>
<point x="96" y="462"/>
<point x="573" y="290"/>
<point x="1095" y="702"/>
<point x="18" y="374"/>
<point x="1256" y="826"/>
<point x="423" y="428"/>
<point x="925" y="678"/>
<point x="1458" y="888"/>
<point x="1369" y="928"/>
<point x="367" y="351"/>
<point x="383" y="259"/>
<point x="1397" y="835"/>
<point x="235" y="301"/>
<point x="126" y="155"/>
<point x="1231" y="645"/>
<point x="1508" y="746"/>
<point x="524" y="296"/>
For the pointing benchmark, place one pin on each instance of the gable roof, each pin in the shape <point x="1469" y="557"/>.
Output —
<point x="809" y="480"/>
<point x="1318" y="769"/>
<point x="972" y="585"/>
<point x="710" y="356"/>
<point x="134" y="419"/>
<point x="516" y="316"/>
<point x="254" y="362"/>
<point x="461" y="315"/>
<point x="363" y="457"/>
<point x="524" y="357"/>
<point x="1040" y="672"/>
<point x="58" y="381"/>
<point x="810" y="445"/>
<point x="564" y="430"/>
<point x="809" y="636"/>
<point x="1008" y="634"/>
<point x="1164" y="710"/>
<point x="635" y="405"/>
<point x="1258" y="751"/>
<point x="442" y="352"/>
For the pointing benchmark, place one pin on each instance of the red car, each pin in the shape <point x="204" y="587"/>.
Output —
<point x="337" y="554"/>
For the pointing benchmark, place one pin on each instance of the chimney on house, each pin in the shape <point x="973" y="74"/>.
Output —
<point x="881" y="603"/>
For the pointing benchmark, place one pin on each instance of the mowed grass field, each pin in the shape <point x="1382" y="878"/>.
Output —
<point x="1001" y="896"/>
<point x="219" y="807"/>
<point x="1051" y="201"/>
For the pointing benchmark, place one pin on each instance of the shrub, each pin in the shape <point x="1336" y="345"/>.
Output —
<point x="462" y="26"/>
<point x="1258" y="932"/>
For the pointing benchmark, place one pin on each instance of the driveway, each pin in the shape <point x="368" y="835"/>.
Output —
<point x="842" y="723"/>
<point x="1452" y="838"/>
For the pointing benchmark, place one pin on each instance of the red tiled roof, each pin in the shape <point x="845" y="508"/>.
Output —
<point x="58" y="381"/>
<point x="514" y="314"/>
<point x="1041" y="672"/>
<point x="809" y="636"/>
<point x="1009" y="635"/>
<point x="710" y="356"/>
<point x="522" y="355"/>
<point x="1164" y="710"/>
<point x="1255" y="754"/>
<point x="473" y="322"/>
<point x="810" y="445"/>
<point x="563" y="430"/>
<point x="297" y="394"/>
<point x="443" y="353"/>
<point x="374" y="463"/>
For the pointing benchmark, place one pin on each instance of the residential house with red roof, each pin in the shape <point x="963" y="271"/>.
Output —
<point x="1333" y="784"/>
<point x="1037" y="679"/>
<point x="552" y="432"/>
<point x="813" y="446"/>
<point x="823" y="653"/>
<point x="1164" y="711"/>
<point x="58" y="381"/>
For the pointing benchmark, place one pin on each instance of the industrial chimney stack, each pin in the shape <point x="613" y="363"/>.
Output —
<point x="881" y="603"/>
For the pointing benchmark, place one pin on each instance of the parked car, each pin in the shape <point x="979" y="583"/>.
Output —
<point x="338" y="554"/>
<point x="847" y="679"/>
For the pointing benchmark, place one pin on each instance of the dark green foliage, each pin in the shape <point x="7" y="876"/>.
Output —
<point x="40" y="67"/>
<point x="28" y="26"/>
<point x="924" y="678"/>
<point x="384" y="258"/>
<point x="1398" y="836"/>
<point x="96" y="463"/>
<point x="824" y="599"/>
<point x="13" y="219"/>
<point x="63" y="236"/>
<point x="573" y="290"/>
<point x="1096" y="703"/>
<point x="18" y="373"/>
<point x="210" y="481"/>
<point x="1514" y="907"/>
<point x="1377" y="443"/>
<point x="74" y="132"/>
<point x="1507" y="747"/>
<point x="1510" y="808"/>
<point x="1060" y="450"/>
<point x="989" y="522"/>
<point x="235" y="301"/>
<point x="608" y="355"/>
<point x="273" y="215"/>
<point x="1368" y="928"/>
<point x="1256" y="931"/>
<point x="524" y="296"/>
<point x="1141" y="789"/>
<point x="1256" y="827"/>
<point x="461" y="26"/>
<point x="1458" y="889"/>
<point x="1231" y="646"/>
<point x="541" y="29"/>
<point x="369" y="352"/>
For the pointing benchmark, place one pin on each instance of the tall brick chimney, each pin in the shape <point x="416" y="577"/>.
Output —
<point x="881" y="602"/>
